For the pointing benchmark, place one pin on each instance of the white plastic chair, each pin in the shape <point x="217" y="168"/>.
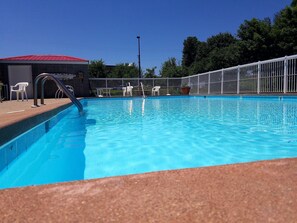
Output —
<point x="127" y="90"/>
<point x="155" y="90"/>
<point x="19" y="88"/>
<point x="59" y="93"/>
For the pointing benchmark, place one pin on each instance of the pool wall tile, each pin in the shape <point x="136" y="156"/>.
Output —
<point x="38" y="132"/>
<point x="10" y="132"/>
<point x="11" y="150"/>
<point x="22" y="143"/>
<point x="2" y="158"/>
<point x="30" y="139"/>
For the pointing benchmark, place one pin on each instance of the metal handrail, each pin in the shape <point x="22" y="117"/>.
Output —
<point x="143" y="95"/>
<point x="48" y="76"/>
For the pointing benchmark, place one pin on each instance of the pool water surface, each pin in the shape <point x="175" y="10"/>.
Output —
<point x="134" y="135"/>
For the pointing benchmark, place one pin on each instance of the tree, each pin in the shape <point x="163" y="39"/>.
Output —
<point x="199" y="66"/>
<point x="124" y="70"/>
<point x="220" y="40"/>
<point x="150" y="73"/>
<point x="97" y="69"/>
<point x="217" y="52"/>
<point x="189" y="51"/>
<point x="202" y="51"/>
<point x="256" y="40"/>
<point x="285" y="30"/>
<point x="170" y="68"/>
<point x="223" y="57"/>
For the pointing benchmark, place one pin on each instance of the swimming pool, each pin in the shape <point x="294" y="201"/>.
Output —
<point x="128" y="136"/>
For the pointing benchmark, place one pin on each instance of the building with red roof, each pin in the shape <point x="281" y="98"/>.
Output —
<point x="26" y="68"/>
<point x="44" y="58"/>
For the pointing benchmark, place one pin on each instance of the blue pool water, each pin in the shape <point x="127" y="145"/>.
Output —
<point x="127" y="136"/>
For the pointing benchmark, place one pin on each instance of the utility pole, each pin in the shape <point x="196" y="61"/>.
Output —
<point x="139" y="66"/>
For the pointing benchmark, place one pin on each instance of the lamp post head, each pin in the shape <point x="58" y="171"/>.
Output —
<point x="138" y="37"/>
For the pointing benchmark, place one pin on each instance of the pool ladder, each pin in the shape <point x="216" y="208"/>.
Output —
<point x="143" y="95"/>
<point x="48" y="76"/>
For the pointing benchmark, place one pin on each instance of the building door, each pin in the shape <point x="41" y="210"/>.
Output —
<point x="21" y="73"/>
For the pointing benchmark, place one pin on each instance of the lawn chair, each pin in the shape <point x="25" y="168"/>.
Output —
<point x="59" y="93"/>
<point x="155" y="90"/>
<point x="127" y="90"/>
<point x="19" y="88"/>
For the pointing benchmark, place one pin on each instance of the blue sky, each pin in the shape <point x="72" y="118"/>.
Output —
<point x="107" y="29"/>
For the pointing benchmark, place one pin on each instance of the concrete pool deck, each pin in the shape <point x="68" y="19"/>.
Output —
<point x="251" y="192"/>
<point x="15" y="111"/>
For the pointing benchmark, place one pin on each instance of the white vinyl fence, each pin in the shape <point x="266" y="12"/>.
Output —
<point x="270" y="76"/>
<point x="276" y="76"/>
<point x="168" y="85"/>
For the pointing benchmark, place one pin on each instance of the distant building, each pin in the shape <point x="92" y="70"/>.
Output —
<point x="26" y="68"/>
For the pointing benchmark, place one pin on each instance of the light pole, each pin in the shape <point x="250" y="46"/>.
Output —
<point x="139" y="74"/>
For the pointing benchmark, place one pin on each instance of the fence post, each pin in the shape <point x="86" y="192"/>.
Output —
<point x="167" y="86"/>
<point x="222" y="82"/>
<point x="258" y="77"/>
<point x="105" y="82"/>
<point x="238" y="79"/>
<point x="198" y="85"/>
<point x="285" y="75"/>
<point x="208" y="90"/>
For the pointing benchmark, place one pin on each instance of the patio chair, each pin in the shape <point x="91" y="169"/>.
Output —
<point x="155" y="90"/>
<point x="127" y="90"/>
<point x="59" y="93"/>
<point x="19" y="88"/>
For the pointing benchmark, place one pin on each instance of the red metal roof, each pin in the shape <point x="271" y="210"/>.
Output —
<point x="44" y="58"/>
